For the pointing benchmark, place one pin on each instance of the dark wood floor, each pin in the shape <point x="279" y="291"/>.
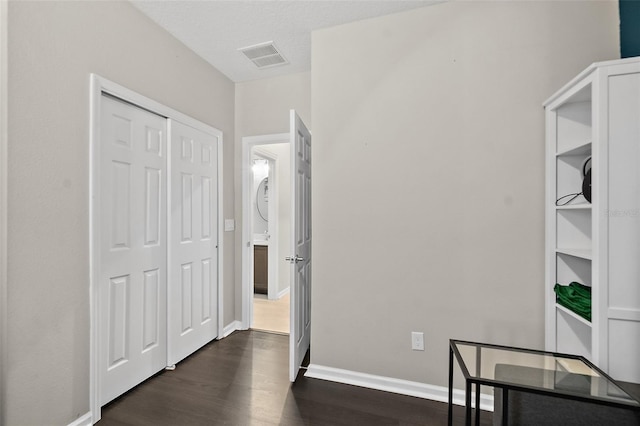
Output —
<point x="243" y="380"/>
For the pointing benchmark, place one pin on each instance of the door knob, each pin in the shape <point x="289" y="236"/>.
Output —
<point x="294" y="259"/>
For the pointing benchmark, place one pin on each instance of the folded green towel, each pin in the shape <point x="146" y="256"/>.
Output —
<point x="576" y="297"/>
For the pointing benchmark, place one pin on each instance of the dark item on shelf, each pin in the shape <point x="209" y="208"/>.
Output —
<point x="586" y="186"/>
<point x="575" y="297"/>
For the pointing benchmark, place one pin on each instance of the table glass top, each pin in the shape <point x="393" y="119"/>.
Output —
<point x="554" y="373"/>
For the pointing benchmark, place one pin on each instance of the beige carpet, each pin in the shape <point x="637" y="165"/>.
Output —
<point x="271" y="315"/>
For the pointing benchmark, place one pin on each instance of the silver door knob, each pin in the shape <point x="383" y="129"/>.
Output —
<point x="294" y="259"/>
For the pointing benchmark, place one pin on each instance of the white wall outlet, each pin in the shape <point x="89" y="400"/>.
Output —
<point x="229" y="225"/>
<point x="417" y="341"/>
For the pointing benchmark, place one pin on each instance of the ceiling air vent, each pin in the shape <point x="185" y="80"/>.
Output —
<point x="264" y="55"/>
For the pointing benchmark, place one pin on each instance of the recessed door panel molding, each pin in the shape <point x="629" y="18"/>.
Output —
<point x="300" y="208"/>
<point x="122" y="130"/>
<point x="194" y="237"/>
<point x="206" y="203"/>
<point x="118" y="320"/>
<point x="187" y="149"/>
<point x="151" y="309"/>
<point x="207" y="287"/>
<point x="307" y="298"/>
<point x="121" y="193"/>
<point x="187" y="206"/>
<point x="186" y="281"/>
<point x="152" y="206"/>
<point x="154" y="141"/>
<point x="206" y="155"/>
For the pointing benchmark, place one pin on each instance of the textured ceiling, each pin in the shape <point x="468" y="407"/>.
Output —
<point x="216" y="29"/>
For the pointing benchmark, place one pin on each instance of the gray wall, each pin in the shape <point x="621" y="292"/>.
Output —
<point x="262" y="108"/>
<point x="428" y="177"/>
<point x="53" y="48"/>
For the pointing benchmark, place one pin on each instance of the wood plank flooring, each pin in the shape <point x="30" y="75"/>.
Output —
<point x="271" y="315"/>
<point x="242" y="380"/>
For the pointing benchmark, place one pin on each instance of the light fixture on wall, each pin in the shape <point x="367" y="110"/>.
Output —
<point x="260" y="167"/>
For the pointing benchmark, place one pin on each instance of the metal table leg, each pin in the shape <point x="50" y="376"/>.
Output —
<point x="450" y="386"/>
<point x="478" y="374"/>
<point x="477" y="404"/>
<point x="505" y="407"/>
<point x="467" y="402"/>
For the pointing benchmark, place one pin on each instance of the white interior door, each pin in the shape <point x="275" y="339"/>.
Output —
<point x="299" y="337"/>
<point x="193" y="271"/>
<point x="132" y="245"/>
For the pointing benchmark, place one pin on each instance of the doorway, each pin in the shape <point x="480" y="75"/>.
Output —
<point x="267" y="212"/>
<point x="270" y="218"/>
<point x="298" y="249"/>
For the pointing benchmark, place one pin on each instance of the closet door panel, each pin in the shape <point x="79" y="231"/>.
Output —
<point x="193" y="241"/>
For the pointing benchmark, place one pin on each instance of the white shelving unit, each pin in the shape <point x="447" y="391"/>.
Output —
<point x="597" y="244"/>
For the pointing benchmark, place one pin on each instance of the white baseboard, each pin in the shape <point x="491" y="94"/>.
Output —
<point x="283" y="293"/>
<point x="230" y="328"/>
<point x="84" y="420"/>
<point x="389" y="384"/>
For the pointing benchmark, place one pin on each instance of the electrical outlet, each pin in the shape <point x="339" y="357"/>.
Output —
<point x="417" y="341"/>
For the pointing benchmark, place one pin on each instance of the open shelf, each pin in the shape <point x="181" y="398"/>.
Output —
<point x="573" y="314"/>
<point x="573" y="229"/>
<point x="569" y="176"/>
<point x="584" y="149"/>
<point x="573" y="126"/>
<point x="581" y="205"/>
<point x="573" y="333"/>
<point x="573" y="269"/>
<point x="579" y="253"/>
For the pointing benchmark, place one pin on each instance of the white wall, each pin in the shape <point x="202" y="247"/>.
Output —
<point x="53" y="47"/>
<point x="428" y="177"/>
<point x="262" y="108"/>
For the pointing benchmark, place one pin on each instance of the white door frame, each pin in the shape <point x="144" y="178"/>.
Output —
<point x="272" y="223"/>
<point x="249" y="142"/>
<point x="3" y="204"/>
<point x="100" y="86"/>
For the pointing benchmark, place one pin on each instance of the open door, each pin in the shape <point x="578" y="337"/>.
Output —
<point x="300" y="259"/>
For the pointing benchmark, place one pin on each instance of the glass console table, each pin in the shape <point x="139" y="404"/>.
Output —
<point x="538" y="372"/>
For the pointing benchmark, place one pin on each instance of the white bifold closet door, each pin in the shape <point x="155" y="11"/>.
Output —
<point x="158" y="249"/>
<point x="133" y="246"/>
<point x="193" y="266"/>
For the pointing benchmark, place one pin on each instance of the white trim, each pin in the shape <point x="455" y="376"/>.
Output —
<point x="284" y="292"/>
<point x="249" y="142"/>
<point x="230" y="328"/>
<point x="390" y="384"/>
<point x="4" y="141"/>
<point x="576" y="80"/>
<point x="84" y="420"/>
<point x="100" y="85"/>
<point x="220" y="238"/>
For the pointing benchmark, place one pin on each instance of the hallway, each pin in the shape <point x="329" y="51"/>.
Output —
<point x="242" y="380"/>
